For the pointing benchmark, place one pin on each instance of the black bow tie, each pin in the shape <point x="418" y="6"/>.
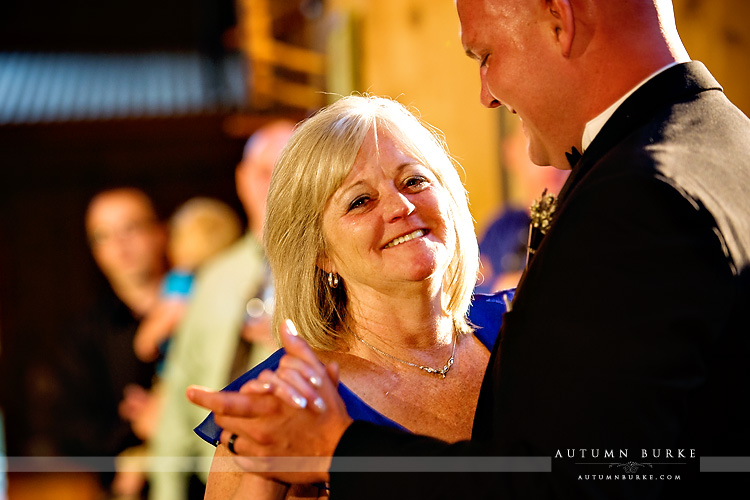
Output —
<point x="573" y="157"/>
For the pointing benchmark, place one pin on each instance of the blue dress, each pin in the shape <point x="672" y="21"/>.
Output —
<point x="485" y="314"/>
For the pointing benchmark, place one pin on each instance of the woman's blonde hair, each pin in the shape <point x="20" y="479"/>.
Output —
<point x="312" y="166"/>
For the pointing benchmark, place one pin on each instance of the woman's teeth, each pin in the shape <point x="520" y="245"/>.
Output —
<point x="407" y="237"/>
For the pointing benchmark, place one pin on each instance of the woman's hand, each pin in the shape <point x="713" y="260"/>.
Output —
<point x="287" y="425"/>
<point x="227" y="481"/>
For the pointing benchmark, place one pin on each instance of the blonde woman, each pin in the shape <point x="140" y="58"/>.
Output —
<point x="374" y="256"/>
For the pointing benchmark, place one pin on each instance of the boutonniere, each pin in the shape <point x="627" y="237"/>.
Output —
<point x="542" y="211"/>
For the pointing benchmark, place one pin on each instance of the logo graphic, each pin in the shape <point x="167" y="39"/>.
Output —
<point x="594" y="464"/>
<point x="631" y="467"/>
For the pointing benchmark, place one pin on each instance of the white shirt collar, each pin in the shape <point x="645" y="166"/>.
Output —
<point x="594" y="126"/>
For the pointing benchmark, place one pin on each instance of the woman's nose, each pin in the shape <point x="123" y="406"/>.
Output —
<point x="396" y="206"/>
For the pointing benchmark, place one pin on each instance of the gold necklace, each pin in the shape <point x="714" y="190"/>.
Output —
<point x="434" y="371"/>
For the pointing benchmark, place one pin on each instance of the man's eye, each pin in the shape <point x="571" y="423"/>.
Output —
<point x="358" y="202"/>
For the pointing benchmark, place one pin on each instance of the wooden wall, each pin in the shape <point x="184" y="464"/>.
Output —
<point x="717" y="33"/>
<point x="410" y="50"/>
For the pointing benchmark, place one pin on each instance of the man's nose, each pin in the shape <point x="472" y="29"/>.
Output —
<point x="485" y="96"/>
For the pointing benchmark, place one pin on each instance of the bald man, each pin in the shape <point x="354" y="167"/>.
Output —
<point x="217" y="339"/>
<point x="624" y="357"/>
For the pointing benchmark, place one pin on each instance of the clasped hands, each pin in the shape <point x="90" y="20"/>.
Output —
<point x="286" y="423"/>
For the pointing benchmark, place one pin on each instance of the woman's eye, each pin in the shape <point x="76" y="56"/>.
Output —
<point x="358" y="202"/>
<point x="416" y="181"/>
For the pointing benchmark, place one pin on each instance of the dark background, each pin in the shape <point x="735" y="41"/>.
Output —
<point x="117" y="25"/>
<point x="49" y="172"/>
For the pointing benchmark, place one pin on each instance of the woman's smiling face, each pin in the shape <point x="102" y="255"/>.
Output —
<point x="387" y="223"/>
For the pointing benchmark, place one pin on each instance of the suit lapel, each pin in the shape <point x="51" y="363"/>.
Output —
<point x="678" y="83"/>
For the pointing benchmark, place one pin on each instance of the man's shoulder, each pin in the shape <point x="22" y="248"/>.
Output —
<point x="104" y="313"/>
<point x="222" y="287"/>
<point x="700" y="147"/>
<point x="245" y="253"/>
<point x="677" y="121"/>
<point x="702" y="151"/>
<point x="683" y="166"/>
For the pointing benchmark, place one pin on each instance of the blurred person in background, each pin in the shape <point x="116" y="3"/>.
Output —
<point x="198" y="230"/>
<point x="225" y="329"/>
<point x="502" y="246"/>
<point x="98" y="362"/>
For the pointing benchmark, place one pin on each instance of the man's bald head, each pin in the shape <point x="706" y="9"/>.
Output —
<point x="559" y="63"/>
<point x="253" y="174"/>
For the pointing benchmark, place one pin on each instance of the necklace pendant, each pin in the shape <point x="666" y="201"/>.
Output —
<point x="434" y="371"/>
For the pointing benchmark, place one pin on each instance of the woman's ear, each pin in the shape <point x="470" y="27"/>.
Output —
<point x="325" y="264"/>
<point x="563" y="23"/>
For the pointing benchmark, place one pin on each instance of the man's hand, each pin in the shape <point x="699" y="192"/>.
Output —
<point x="286" y="424"/>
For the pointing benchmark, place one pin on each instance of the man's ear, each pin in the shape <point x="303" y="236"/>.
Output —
<point x="563" y="23"/>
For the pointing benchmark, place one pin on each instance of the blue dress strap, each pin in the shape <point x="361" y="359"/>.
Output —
<point x="486" y="314"/>
<point x="208" y="430"/>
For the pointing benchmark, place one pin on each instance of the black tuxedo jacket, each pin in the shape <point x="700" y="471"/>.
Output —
<point x="629" y="328"/>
